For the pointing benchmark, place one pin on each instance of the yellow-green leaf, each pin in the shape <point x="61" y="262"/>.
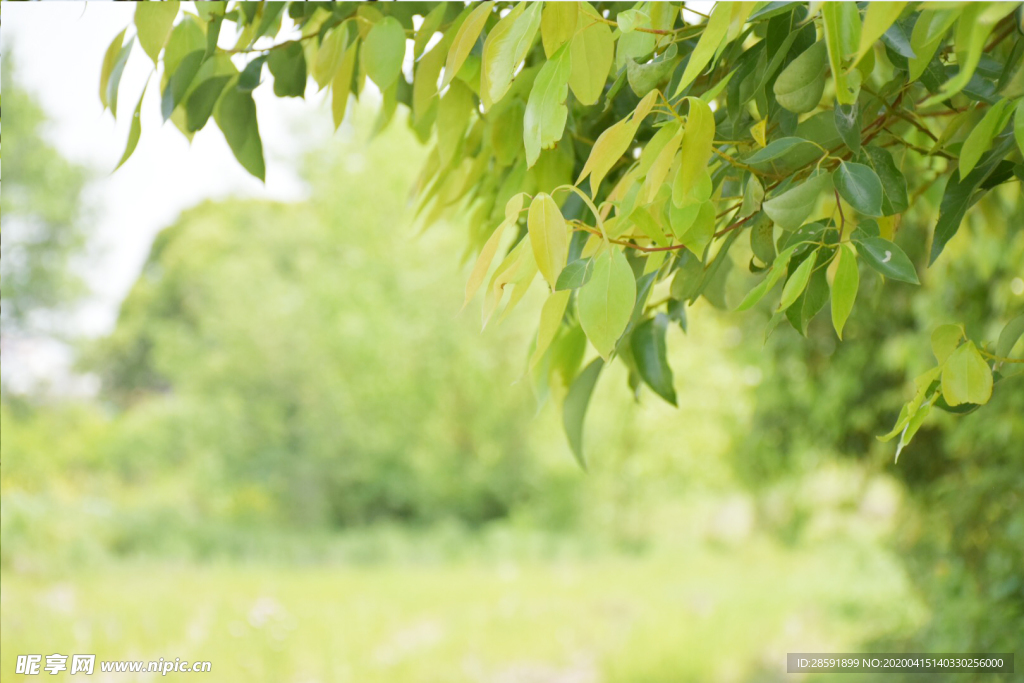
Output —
<point x="490" y="248"/>
<point x="452" y="118"/>
<point x="342" y="84"/>
<point x="591" y="51"/>
<point x="330" y="55"/>
<point x="134" y="131"/>
<point x="557" y="25"/>
<point x="153" y="24"/>
<point x="844" y="287"/>
<point x="966" y="377"/>
<point x="981" y="136"/>
<point x="796" y="283"/>
<point x="698" y="136"/>
<point x="613" y="143"/>
<point x="606" y="302"/>
<point x="505" y="49"/>
<point x="790" y="209"/>
<point x="544" y="119"/>
<point x="464" y="40"/>
<point x="877" y="20"/>
<point x="945" y="339"/>
<point x="550" y="320"/>
<point x="549" y="236"/>
<point x="110" y="61"/>
<point x="710" y="40"/>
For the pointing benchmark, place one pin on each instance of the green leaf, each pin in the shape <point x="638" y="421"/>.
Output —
<point x="545" y="116"/>
<point x="701" y="230"/>
<point x="252" y="74"/>
<point x="796" y="283"/>
<point x="860" y="187"/>
<point x="966" y="377"/>
<point x="576" y="274"/>
<point x="591" y="51"/>
<point x="235" y="115"/>
<point x="288" y="67"/>
<point x="629" y="19"/>
<point x="981" y="136"/>
<point x="606" y="302"/>
<point x="645" y="77"/>
<point x="431" y="23"/>
<point x="383" y="52"/>
<point x="180" y="81"/>
<point x="762" y="241"/>
<point x="894" y="184"/>
<point x="557" y="25"/>
<point x="848" y="124"/>
<point x="574" y="410"/>
<point x="549" y="237"/>
<point x="207" y="86"/>
<point x="928" y="32"/>
<point x="650" y="354"/>
<point x="753" y="196"/>
<point x="490" y="248"/>
<point x="698" y="137"/>
<point x="945" y="339"/>
<point x="887" y="258"/>
<point x="800" y="85"/>
<point x="153" y="24"/>
<point x="877" y="20"/>
<point x="777" y="149"/>
<point x="110" y="73"/>
<point x="505" y="49"/>
<point x="844" y="287"/>
<point x="790" y="209"/>
<point x="1009" y="336"/>
<point x="134" y="130"/>
<point x="711" y="38"/>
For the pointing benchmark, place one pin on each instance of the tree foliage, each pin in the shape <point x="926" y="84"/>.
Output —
<point x="626" y="155"/>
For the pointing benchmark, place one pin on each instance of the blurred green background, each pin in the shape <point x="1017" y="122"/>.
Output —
<point x="303" y="464"/>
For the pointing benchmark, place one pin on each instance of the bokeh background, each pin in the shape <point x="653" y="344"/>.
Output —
<point x="248" y="424"/>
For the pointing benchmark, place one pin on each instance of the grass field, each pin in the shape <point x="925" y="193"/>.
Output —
<point x="727" y="614"/>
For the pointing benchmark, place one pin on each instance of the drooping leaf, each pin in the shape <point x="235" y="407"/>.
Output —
<point x="775" y="274"/>
<point x="844" y="287"/>
<point x="698" y="136"/>
<point x="707" y="47"/>
<point x="860" y="187"/>
<point x="777" y="149"/>
<point x="1009" y="336"/>
<point x="574" y="410"/>
<point x="591" y="52"/>
<point x="453" y="114"/>
<point x="613" y="143"/>
<point x="153" y="24"/>
<point x="606" y="302"/>
<point x="383" y="52"/>
<point x="800" y="85"/>
<point x="557" y="25"/>
<point x="551" y="315"/>
<point x="330" y="55"/>
<point x="1018" y="125"/>
<point x="490" y="248"/>
<point x="545" y="116"/>
<point x="235" y="115"/>
<point x="504" y="50"/>
<point x="966" y="377"/>
<point x="464" y="40"/>
<point x="549" y="237"/>
<point x="842" y="36"/>
<point x="645" y="77"/>
<point x="134" y="130"/>
<point x="651" y="356"/>
<point x="887" y="258"/>
<point x="342" y="85"/>
<point x="790" y="209"/>
<point x="180" y="81"/>
<point x="110" y="73"/>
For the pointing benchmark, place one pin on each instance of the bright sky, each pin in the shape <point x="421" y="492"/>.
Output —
<point x="58" y="48"/>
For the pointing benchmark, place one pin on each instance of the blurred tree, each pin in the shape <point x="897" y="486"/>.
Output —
<point x="43" y="230"/>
